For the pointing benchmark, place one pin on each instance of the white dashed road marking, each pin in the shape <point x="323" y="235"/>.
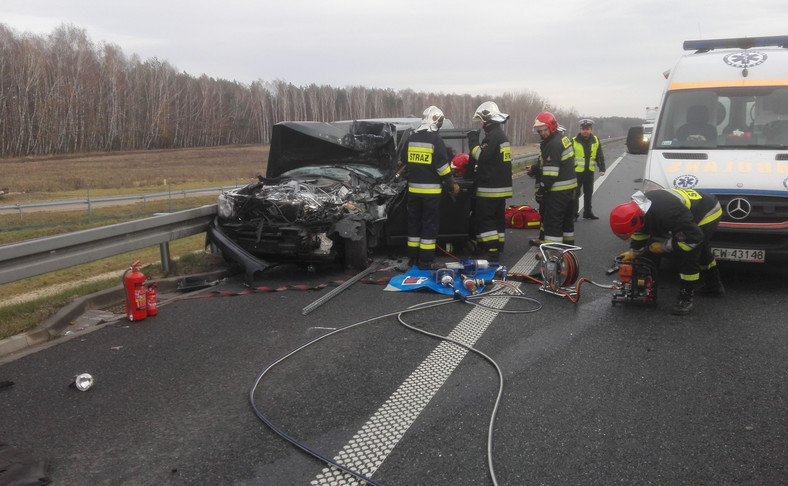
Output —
<point x="370" y="446"/>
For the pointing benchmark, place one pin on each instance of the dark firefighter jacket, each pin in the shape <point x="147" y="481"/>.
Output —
<point x="677" y="214"/>
<point x="557" y="163"/>
<point x="588" y="154"/>
<point x="428" y="164"/>
<point x="493" y="164"/>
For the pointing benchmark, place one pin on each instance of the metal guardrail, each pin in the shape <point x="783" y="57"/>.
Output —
<point x="43" y="255"/>
<point x="97" y="200"/>
<point x="519" y="162"/>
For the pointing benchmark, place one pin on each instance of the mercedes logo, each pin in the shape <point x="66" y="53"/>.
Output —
<point x="739" y="208"/>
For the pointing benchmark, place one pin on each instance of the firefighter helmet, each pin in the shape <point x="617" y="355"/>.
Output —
<point x="431" y="119"/>
<point x="488" y="111"/>
<point x="547" y="120"/>
<point x="460" y="164"/>
<point x="627" y="218"/>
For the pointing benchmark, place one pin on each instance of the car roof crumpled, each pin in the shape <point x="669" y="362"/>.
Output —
<point x="300" y="144"/>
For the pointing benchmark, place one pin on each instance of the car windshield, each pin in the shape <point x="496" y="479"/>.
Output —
<point x="723" y="118"/>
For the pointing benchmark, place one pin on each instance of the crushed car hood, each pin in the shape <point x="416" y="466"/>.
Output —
<point x="300" y="144"/>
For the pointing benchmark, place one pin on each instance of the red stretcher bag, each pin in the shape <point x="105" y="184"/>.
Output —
<point x="522" y="217"/>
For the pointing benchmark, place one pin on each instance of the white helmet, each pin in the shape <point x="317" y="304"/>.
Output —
<point x="431" y="119"/>
<point x="488" y="111"/>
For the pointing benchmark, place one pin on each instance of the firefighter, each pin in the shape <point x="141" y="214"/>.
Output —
<point x="428" y="172"/>
<point x="675" y="221"/>
<point x="492" y="163"/>
<point x="555" y="181"/>
<point x="588" y="155"/>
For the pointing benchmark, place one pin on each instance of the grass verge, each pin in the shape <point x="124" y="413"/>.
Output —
<point x="57" y="289"/>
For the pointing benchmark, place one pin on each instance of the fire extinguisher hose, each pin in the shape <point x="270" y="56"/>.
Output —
<point x="125" y="289"/>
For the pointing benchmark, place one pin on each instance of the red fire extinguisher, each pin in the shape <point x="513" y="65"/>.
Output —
<point x="150" y="298"/>
<point x="134" y="284"/>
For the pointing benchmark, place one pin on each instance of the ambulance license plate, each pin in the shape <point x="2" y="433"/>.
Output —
<point x="739" y="255"/>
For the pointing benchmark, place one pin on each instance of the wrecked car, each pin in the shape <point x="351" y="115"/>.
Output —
<point x="331" y="193"/>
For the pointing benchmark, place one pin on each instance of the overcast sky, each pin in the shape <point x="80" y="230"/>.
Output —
<point x="601" y="58"/>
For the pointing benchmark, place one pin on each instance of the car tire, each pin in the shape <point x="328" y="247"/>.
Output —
<point x="357" y="252"/>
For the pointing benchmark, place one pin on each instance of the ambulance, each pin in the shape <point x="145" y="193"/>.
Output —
<point x="722" y="128"/>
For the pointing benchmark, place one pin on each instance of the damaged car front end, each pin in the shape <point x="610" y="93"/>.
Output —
<point x="325" y="197"/>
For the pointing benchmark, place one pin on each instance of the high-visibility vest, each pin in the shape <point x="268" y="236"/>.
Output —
<point x="580" y="156"/>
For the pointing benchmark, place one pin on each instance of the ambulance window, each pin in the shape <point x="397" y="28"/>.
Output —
<point x="732" y="117"/>
<point x="690" y="119"/>
<point x="769" y="114"/>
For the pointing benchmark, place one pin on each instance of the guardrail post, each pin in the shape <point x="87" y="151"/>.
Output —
<point x="164" y="251"/>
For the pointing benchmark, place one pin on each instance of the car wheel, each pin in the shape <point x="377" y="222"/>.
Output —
<point x="357" y="252"/>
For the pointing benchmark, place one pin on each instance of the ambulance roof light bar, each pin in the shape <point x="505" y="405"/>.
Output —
<point x="740" y="43"/>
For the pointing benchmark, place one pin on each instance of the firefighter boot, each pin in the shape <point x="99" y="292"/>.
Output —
<point x="683" y="304"/>
<point x="712" y="284"/>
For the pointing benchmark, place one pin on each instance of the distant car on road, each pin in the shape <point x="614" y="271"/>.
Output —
<point x="331" y="193"/>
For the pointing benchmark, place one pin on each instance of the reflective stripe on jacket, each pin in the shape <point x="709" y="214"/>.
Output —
<point x="557" y="160"/>
<point x="677" y="214"/>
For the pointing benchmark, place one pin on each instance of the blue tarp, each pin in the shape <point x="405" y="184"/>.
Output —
<point x="417" y="279"/>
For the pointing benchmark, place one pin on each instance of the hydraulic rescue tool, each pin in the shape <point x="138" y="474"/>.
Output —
<point x="466" y="270"/>
<point x="445" y="277"/>
<point x="636" y="282"/>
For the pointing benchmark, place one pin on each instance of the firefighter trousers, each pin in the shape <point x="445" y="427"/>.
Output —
<point x="423" y="224"/>
<point x="489" y="222"/>
<point x="559" y="216"/>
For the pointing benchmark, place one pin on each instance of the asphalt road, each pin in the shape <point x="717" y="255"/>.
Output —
<point x="592" y="393"/>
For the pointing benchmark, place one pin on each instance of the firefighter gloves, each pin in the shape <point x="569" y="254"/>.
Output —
<point x="628" y="256"/>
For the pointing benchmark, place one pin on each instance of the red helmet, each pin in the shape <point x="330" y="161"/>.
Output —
<point x="460" y="163"/>
<point x="626" y="218"/>
<point x="545" y="119"/>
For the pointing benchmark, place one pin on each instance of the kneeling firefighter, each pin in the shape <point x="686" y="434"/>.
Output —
<point x="428" y="172"/>
<point x="678" y="222"/>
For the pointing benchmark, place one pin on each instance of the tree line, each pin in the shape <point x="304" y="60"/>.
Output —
<point x="62" y="93"/>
